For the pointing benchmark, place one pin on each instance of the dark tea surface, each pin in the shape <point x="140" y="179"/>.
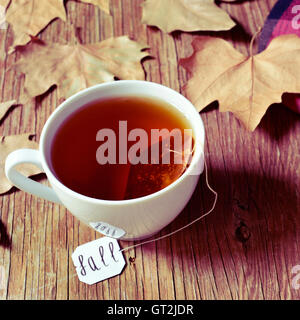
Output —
<point x="74" y="148"/>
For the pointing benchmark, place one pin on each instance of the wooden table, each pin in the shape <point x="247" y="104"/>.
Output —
<point x="245" y="249"/>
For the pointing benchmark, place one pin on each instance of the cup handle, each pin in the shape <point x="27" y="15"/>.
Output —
<point x="26" y="184"/>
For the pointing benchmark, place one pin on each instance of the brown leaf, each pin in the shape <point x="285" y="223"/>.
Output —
<point x="76" y="67"/>
<point x="185" y="15"/>
<point x="9" y="144"/>
<point x="4" y="3"/>
<point x="5" y="106"/>
<point x="245" y="86"/>
<point x="29" y="17"/>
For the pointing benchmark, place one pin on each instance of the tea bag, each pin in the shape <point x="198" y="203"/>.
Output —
<point x="167" y="161"/>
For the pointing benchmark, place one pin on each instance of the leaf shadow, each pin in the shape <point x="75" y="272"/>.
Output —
<point x="40" y="98"/>
<point x="237" y="34"/>
<point x="5" y="240"/>
<point x="211" y="107"/>
<point x="279" y="121"/>
<point x="9" y="111"/>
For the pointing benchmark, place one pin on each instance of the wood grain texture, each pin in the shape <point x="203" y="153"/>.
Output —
<point x="244" y="250"/>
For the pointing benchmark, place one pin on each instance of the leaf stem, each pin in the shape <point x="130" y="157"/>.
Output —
<point x="252" y="74"/>
<point x="252" y="41"/>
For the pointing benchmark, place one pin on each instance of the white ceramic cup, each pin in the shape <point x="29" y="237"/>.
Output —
<point x="126" y="219"/>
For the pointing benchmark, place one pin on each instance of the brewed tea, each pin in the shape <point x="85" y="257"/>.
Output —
<point x="105" y="149"/>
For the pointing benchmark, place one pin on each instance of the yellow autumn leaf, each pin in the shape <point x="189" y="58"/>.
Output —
<point x="4" y="3"/>
<point x="243" y="85"/>
<point x="29" y="17"/>
<point x="185" y="15"/>
<point x="76" y="67"/>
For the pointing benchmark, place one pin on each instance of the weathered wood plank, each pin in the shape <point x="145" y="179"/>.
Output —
<point x="244" y="250"/>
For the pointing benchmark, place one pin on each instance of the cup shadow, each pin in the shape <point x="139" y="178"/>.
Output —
<point x="253" y="210"/>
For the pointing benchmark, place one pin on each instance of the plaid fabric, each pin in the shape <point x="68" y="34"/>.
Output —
<point x="283" y="19"/>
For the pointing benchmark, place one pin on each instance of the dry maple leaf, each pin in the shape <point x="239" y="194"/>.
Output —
<point x="244" y="85"/>
<point x="5" y="106"/>
<point x="4" y="3"/>
<point x="7" y="145"/>
<point x="185" y="15"/>
<point x="28" y="17"/>
<point x="76" y="67"/>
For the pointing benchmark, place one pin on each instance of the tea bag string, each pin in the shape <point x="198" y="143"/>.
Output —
<point x="187" y="225"/>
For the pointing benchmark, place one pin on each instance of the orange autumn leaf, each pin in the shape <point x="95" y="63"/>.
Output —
<point x="7" y="145"/>
<point x="4" y="3"/>
<point x="75" y="67"/>
<point x="28" y="17"/>
<point x="243" y="85"/>
<point x="185" y="15"/>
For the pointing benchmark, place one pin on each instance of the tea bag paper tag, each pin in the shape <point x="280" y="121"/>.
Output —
<point x="108" y="230"/>
<point x="98" y="260"/>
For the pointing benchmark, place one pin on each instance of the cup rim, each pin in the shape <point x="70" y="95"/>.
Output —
<point x="55" y="181"/>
